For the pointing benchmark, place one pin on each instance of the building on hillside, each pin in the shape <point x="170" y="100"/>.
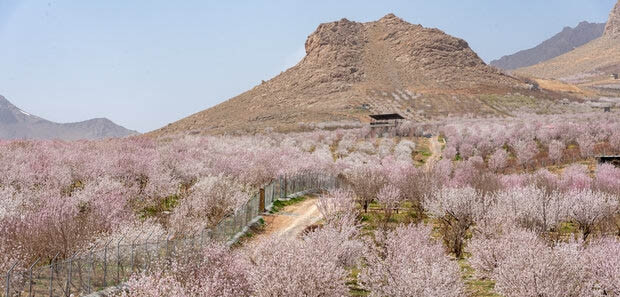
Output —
<point x="614" y="75"/>
<point x="610" y="159"/>
<point x="385" y="124"/>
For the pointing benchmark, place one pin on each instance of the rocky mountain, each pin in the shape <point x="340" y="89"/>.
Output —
<point x="591" y="65"/>
<point x="18" y="124"/>
<point x="561" y="43"/>
<point x="354" y="69"/>
<point x="612" y="29"/>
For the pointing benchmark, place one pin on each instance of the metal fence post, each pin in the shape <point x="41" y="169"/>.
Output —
<point x="52" y="275"/>
<point x="30" y="277"/>
<point x="157" y="251"/>
<point x="68" y="290"/>
<point x="133" y="242"/>
<point x="105" y="263"/>
<point x="92" y="269"/>
<point x="118" y="260"/>
<point x="167" y="244"/>
<point x="8" y="280"/>
<point x="146" y="250"/>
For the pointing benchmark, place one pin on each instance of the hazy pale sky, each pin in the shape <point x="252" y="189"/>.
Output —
<point x="146" y="63"/>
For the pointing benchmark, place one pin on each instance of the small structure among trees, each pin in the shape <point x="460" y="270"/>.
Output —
<point x="385" y="123"/>
<point x="610" y="159"/>
<point x="614" y="75"/>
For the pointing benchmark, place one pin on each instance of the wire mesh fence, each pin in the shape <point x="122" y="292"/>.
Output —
<point x="114" y="262"/>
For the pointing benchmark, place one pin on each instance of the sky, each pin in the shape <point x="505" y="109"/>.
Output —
<point x="146" y="63"/>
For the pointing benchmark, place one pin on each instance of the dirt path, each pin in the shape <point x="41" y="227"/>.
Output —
<point x="291" y="220"/>
<point x="435" y="147"/>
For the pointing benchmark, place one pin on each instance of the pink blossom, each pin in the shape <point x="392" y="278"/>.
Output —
<point x="407" y="262"/>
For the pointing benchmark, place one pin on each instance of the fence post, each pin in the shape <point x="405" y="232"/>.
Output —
<point x="167" y="243"/>
<point x="285" y="187"/>
<point x="133" y="242"/>
<point x="146" y="250"/>
<point x="52" y="275"/>
<point x="92" y="269"/>
<point x="158" y="252"/>
<point x="8" y="280"/>
<point x="30" y="277"/>
<point x="105" y="264"/>
<point x="118" y="260"/>
<point x="68" y="290"/>
<point x="261" y="204"/>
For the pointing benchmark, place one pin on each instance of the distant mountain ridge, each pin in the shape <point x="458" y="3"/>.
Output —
<point x="591" y="64"/>
<point x="559" y="44"/>
<point x="18" y="124"/>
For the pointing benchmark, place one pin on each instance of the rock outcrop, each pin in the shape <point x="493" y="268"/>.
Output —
<point x="612" y="29"/>
<point x="352" y="69"/>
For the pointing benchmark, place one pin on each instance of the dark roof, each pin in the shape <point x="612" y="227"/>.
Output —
<point x="387" y="116"/>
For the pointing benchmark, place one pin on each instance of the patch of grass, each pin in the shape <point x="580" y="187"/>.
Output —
<point x="375" y="218"/>
<point x="278" y="205"/>
<point x="476" y="287"/>
<point x="426" y="153"/>
<point x="354" y="288"/>
<point x="166" y="204"/>
<point x="568" y="228"/>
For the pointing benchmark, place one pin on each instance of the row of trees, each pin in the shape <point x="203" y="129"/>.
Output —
<point x="529" y="140"/>
<point x="402" y="262"/>
<point x="61" y="197"/>
<point x="570" y="222"/>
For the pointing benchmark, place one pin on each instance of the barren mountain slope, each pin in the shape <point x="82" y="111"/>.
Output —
<point x="561" y="43"/>
<point x="352" y="69"/>
<point x="590" y="65"/>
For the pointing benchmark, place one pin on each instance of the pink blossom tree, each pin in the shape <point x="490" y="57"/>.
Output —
<point x="210" y="200"/>
<point x="215" y="271"/>
<point x="586" y="145"/>
<point x="525" y="151"/>
<point x="366" y="181"/>
<point x="607" y="179"/>
<point x="390" y="198"/>
<point x="408" y="262"/>
<point x="449" y="153"/>
<point x="498" y="160"/>
<point x="534" y="269"/>
<point x="289" y="267"/>
<point x="556" y="150"/>
<point x="589" y="209"/>
<point x="457" y="210"/>
<point x="603" y="260"/>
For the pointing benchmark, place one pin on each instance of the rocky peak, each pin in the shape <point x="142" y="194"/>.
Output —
<point x="339" y="34"/>
<point x="390" y="18"/>
<point x="612" y="29"/>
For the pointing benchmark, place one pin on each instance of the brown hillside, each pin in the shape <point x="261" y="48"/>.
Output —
<point x="352" y="69"/>
<point x="589" y="66"/>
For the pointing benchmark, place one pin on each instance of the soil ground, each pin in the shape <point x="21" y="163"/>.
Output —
<point x="290" y="221"/>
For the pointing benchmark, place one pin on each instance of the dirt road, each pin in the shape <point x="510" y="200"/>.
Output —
<point x="291" y="220"/>
<point x="435" y="147"/>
